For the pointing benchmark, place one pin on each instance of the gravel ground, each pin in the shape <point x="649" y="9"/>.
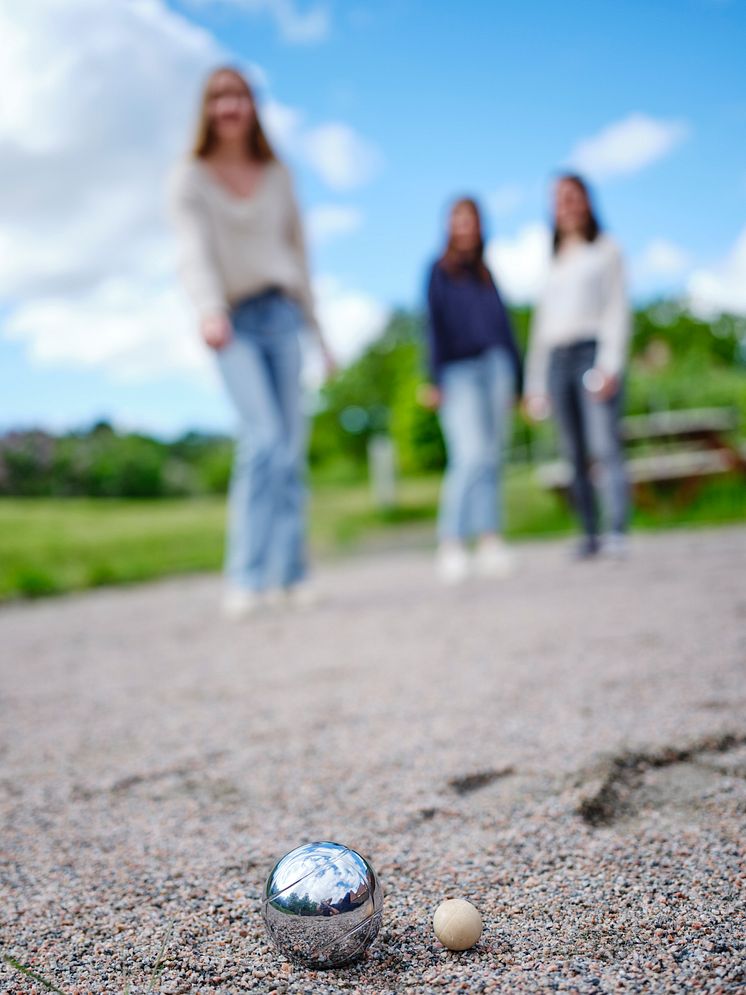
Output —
<point x="566" y="749"/>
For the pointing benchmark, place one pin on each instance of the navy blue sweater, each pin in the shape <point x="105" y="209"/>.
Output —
<point x="466" y="318"/>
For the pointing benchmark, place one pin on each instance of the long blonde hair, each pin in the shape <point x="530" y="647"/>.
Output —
<point x="258" y="145"/>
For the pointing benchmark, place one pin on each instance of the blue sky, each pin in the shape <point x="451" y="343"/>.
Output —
<point x="471" y="96"/>
<point x="385" y="110"/>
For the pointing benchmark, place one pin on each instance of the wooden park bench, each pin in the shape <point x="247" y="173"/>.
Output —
<point x="678" y="450"/>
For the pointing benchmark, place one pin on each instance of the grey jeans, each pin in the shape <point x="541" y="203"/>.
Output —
<point x="589" y="433"/>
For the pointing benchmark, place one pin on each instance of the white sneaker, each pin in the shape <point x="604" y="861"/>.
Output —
<point x="452" y="563"/>
<point x="493" y="558"/>
<point x="275" y="597"/>
<point x="302" y="595"/>
<point x="616" y="546"/>
<point x="239" y="603"/>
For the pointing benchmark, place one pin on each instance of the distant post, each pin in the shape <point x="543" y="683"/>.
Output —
<point x="382" y="470"/>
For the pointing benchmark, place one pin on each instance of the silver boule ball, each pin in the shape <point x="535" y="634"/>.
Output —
<point x="322" y="905"/>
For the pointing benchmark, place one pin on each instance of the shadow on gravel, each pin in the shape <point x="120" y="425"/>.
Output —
<point x="611" y="796"/>
<point x="473" y="782"/>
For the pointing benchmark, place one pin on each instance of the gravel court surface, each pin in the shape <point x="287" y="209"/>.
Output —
<point x="567" y="749"/>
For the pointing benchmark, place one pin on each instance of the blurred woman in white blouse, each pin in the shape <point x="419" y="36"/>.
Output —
<point x="576" y="359"/>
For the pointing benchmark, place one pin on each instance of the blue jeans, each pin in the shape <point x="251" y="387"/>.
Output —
<point x="266" y="504"/>
<point x="589" y="433"/>
<point x="475" y="416"/>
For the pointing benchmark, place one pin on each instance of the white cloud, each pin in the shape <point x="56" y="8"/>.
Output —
<point x="342" y="158"/>
<point x="88" y="135"/>
<point x="506" y="199"/>
<point x="295" y="25"/>
<point x="309" y="26"/>
<point x="627" y="146"/>
<point x="519" y="262"/>
<point x="139" y="331"/>
<point x="86" y="140"/>
<point x="662" y="259"/>
<point x="722" y="286"/>
<point x="350" y="319"/>
<point x="327" y="221"/>
<point x="283" y="123"/>
<point x="660" y="269"/>
<point x="133" y="330"/>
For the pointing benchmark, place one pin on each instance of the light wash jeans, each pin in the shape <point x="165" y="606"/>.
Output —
<point x="589" y="433"/>
<point x="475" y="416"/>
<point x="266" y="504"/>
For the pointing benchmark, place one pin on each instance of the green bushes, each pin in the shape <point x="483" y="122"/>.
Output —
<point x="378" y="394"/>
<point x="678" y="361"/>
<point x="104" y="463"/>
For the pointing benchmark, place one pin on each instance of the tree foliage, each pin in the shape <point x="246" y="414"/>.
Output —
<point x="677" y="361"/>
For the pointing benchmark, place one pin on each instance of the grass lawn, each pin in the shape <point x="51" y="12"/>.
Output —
<point x="50" y="546"/>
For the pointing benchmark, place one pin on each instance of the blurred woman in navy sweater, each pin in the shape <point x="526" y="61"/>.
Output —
<point x="475" y="376"/>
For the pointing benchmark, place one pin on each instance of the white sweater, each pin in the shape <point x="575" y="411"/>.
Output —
<point x="584" y="297"/>
<point x="233" y="247"/>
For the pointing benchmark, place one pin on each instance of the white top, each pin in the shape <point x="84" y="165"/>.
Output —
<point x="584" y="297"/>
<point x="233" y="247"/>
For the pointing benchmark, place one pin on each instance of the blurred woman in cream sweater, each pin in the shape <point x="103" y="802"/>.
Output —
<point x="243" y="264"/>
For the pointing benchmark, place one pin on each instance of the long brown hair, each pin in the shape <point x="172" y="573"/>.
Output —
<point x="592" y="226"/>
<point x="452" y="260"/>
<point x="205" y="141"/>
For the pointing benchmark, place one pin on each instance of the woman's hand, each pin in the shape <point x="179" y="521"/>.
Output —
<point x="216" y="330"/>
<point x="429" y="396"/>
<point x="609" y="386"/>
<point x="536" y="407"/>
<point x="601" y="386"/>
<point x="330" y="363"/>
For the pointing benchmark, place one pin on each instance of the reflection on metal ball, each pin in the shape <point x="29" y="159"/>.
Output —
<point x="322" y="905"/>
